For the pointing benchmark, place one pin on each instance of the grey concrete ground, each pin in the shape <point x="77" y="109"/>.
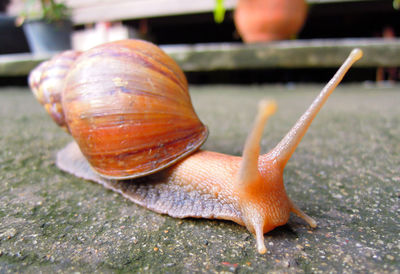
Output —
<point x="345" y="174"/>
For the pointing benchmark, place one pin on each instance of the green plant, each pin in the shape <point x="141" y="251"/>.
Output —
<point x="48" y="10"/>
<point x="396" y="4"/>
<point x="219" y="11"/>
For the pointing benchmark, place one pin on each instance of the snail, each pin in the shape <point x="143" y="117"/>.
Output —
<point x="135" y="131"/>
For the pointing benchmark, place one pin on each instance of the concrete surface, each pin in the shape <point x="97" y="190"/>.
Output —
<point x="345" y="174"/>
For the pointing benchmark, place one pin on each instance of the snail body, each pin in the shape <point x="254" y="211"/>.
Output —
<point x="127" y="106"/>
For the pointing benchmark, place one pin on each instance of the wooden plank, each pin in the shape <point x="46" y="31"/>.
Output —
<point x="111" y="10"/>
<point x="19" y="64"/>
<point x="90" y="11"/>
<point x="284" y="54"/>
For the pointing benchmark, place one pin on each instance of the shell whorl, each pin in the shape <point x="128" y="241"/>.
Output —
<point x="127" y="106"/>
<point x="47" y="82"/>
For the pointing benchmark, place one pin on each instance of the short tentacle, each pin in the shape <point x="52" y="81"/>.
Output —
<point x="260" y="239"/>
<point x="296" y="210"/>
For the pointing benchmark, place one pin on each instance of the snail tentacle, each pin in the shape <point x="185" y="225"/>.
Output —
<point x="286" y="147"/>
<point x="248" y="171"/>
<point x="300" y="213"/>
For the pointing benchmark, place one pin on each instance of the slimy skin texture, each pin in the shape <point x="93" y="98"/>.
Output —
<point x="248" y="190"/>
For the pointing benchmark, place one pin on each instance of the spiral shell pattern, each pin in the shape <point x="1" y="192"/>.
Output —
<point x="127" y="106"/>
<point x="47" y="82"/>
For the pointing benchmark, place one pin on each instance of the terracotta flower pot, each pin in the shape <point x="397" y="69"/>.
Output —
<point x="268" y="20"/>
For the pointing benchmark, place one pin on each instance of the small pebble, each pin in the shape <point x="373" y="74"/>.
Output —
<point x="8" y="234"/>
<point x="390" y="257"/>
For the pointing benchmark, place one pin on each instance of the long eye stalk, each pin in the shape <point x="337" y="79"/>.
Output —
<point x="284" y="150"/>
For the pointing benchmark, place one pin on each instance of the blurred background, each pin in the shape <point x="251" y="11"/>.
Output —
<point x="212" y="23"/>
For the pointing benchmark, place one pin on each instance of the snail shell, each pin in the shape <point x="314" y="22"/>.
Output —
<point x="127" y="106"/>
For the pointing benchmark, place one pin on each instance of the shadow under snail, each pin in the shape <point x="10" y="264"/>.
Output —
<point x="127" y="106"/>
